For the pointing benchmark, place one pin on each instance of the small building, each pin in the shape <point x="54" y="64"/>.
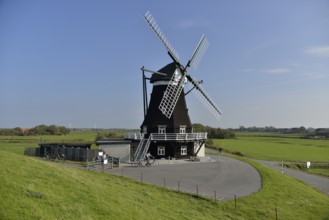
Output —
<point x="118" y="147"/>
<point x="48" y="148"/>
<point x="322" y="132"/>
<point x="185" y="145"/>
<point x="72" y="151"/>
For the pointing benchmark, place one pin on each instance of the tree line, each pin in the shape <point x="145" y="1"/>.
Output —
<point x="296" y="130"/>
<point x="217" y="133"/>
<point x="37" y="130"/>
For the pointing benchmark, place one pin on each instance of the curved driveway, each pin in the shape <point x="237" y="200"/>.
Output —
<point x="224" y="177"/>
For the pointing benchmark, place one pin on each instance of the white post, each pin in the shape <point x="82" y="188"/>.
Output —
<point x="282" y="167"/>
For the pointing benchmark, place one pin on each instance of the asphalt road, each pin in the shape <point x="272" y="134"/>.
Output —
<point x="318" y="182"/>
<point x="225" y="176"/>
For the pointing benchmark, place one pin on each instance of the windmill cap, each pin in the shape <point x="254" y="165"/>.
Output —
<point x="168" y="69"/>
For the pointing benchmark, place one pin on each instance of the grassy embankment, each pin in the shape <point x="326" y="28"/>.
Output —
<point x="35" y="189"/>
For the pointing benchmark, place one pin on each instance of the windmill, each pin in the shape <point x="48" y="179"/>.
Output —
<point x="167" y="128"/>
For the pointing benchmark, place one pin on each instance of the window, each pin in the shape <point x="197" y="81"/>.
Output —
<point x="144" y="129"/>
<point x="182" y="129"/>
<point x="161" y="129"/>
<point x="183" y="150"/>
<point x="161" y="150"/>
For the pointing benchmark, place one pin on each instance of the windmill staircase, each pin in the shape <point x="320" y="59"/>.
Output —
<point x="142" y="149"/>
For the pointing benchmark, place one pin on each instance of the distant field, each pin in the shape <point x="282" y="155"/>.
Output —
<point x="276" y="147"/>
<point x="16" y="144"/>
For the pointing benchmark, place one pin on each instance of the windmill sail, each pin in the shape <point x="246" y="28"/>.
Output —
<point x="156" y="28"/>
<point x="176" y="83"/>
<point x="199" y="52"/>
<point x="205" y="98"/>
<point x="172" y="93"/>
<point x="175" y="86"/>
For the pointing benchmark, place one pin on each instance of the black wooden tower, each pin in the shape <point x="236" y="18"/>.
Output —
<point x="167" y="129"/>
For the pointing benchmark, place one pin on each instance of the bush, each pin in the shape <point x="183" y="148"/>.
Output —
<point x="238" y="153"/>
<point x="216" y="133"/>
<point x="37" y="130"/>
<point x="100" y="136"/>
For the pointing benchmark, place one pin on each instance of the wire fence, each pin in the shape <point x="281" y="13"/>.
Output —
<point x="184" y="187"/>
<point x="173" y="184"/>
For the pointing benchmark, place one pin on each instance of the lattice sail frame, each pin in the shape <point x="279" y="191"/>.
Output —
<point x="156" y="28"/>
<point x="199" y="52"/>
<point x="205" y="99"/>
<point x="172" y="93"/>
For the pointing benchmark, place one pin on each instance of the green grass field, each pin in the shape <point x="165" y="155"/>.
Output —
<point x="276" y="147"/>
<point x="32" y="188"/>
<point x="35" y="189"/>
<point x="16" y="144"/>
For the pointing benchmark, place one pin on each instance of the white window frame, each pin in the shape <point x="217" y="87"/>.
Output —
<point x="182" y="129"/>
<point x="161" y="150"/>
<point x="161" y="129"/>
<point x="144" y="129"/>
<point x="183" y="150"/>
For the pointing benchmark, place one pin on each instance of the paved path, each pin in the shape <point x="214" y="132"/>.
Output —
<point x="318" y="182"/>
<point x="226" y="176"/>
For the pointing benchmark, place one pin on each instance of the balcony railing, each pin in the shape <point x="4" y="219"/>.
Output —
<point x="133" y="136"/>
<point x="178" y="136"/>
<point x="170" y="136"/>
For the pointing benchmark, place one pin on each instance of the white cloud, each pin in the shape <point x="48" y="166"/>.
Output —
<point x="278" y="70"/>
<point x="269" y="71"/>
<point x="310" y="76"/>
<point x="249" y="70"/>
<point x="319" y="51"/>
<point x="197" y="22"/>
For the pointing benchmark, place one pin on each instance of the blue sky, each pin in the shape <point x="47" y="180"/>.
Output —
<point x="78" y="62"/>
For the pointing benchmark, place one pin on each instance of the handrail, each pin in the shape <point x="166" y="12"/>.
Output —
<point x="178" y="136"/>
<point x="170" y="136"/>
<point x="133" y="136"/>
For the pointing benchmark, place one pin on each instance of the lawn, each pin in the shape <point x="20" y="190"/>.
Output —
<point x="35" y="189"/>
<point x="32" y="188"/>
<point x="276" y="147"/>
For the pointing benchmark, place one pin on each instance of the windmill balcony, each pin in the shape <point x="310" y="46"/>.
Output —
<point x="170" y="136"/>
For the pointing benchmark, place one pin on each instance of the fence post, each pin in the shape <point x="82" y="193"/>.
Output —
<point x="87" y="160"/>
<point x="197" y="190"/>
<point x="235" y="201"/>
<point x="122" y="171"/>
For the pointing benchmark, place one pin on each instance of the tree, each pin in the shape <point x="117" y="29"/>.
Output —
<point x="214" y="132"/>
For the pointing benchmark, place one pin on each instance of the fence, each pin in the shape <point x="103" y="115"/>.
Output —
<point x="185" y="187"/>
<point x="98" y="165"/>
<point x="173" y="184"/>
